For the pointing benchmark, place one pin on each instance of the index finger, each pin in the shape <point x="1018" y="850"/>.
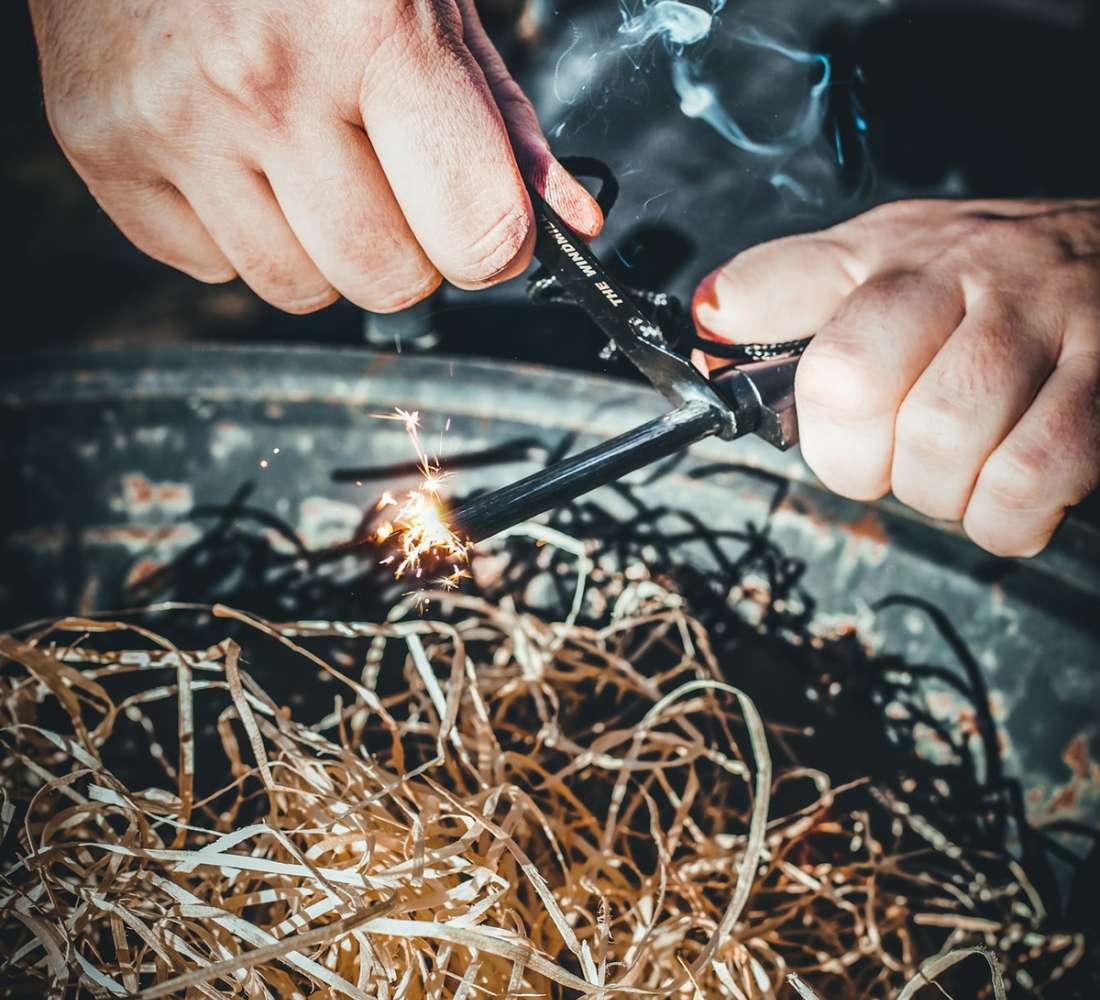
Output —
<point x="437" y="131"/>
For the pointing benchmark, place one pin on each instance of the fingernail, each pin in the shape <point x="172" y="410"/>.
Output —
<point x="574" y="201"/>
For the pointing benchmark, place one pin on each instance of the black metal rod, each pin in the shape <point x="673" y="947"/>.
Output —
<point x="486" y="515"/>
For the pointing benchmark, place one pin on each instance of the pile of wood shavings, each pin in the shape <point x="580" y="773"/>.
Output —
<point x="526" y="808"/>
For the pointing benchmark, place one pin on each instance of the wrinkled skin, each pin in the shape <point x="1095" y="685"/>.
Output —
<point x="362" y="148"/>
<point x="955" y="359"/>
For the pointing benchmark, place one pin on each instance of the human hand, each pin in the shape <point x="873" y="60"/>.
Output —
<point x="362" y="148"/>
<point x="956" y="356"/>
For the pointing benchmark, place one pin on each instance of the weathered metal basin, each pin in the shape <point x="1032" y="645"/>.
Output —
<point x="106" y="453"/>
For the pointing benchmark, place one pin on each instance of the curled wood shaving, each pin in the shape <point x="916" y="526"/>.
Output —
<point x="494" y="805"/>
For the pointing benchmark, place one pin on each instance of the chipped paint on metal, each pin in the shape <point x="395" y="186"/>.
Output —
<point x="1079" y="794"/>
<point x="932" y="746"/>
<point x="323" y="521"/>
<point x="947" y="705"/>
<point x="165" y="540"/>
<point x="228" y="438"/>
<point x="141" y="497"/>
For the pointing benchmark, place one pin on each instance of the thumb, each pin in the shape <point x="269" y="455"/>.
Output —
<point x="778" y="291"/>
<point x="562" y="191"/>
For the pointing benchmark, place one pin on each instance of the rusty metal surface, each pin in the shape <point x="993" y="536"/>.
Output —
<point x="107" y="451"/>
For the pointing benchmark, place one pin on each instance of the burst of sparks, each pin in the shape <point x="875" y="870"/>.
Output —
<point x="418" y="521"/>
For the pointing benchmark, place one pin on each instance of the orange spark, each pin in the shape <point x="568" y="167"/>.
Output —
<point x="419" y="521"/>
<point x="452" y="579"/>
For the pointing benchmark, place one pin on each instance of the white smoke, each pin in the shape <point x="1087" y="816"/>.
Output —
<point x="677" y="23"/>
<point x="682" y="26"/>
<point x="768" y="99"/>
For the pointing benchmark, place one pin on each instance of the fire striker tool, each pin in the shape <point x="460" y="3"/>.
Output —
<point x="756" y="397"/>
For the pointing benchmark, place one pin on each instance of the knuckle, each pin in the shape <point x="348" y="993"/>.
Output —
<point x="103" y="133"/>
<point x="873" y="303"/>
<point x="1018" y="241"/>
<point x="300" y="302"/>
<point x="1015" y="542"/>
<point x="252" y="69"/>
<point x="80" y="129"/>
<point x="933" y="423"/>
<point x="1077" y="285"/>
<point x="411" y="31"/>
<point x="160" y="249"/>
<point x="855" y="481"/>
<point x="133" y="210"/>
<point x="391" y="297"/>
<point x="279" y="279"/>
<point x="158" y="110"/>
<point x="927" y="493"/>
<point x="839" y="384"/>
<point x="877" y="298"/>
<point x="858" y="474"/>
<point x="1001" y="323"/>
<point x="1075" y="424"/>
<point x="486" y="258"/>
<point x="1016" y="478"/>
<point x="211" y="273"/>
